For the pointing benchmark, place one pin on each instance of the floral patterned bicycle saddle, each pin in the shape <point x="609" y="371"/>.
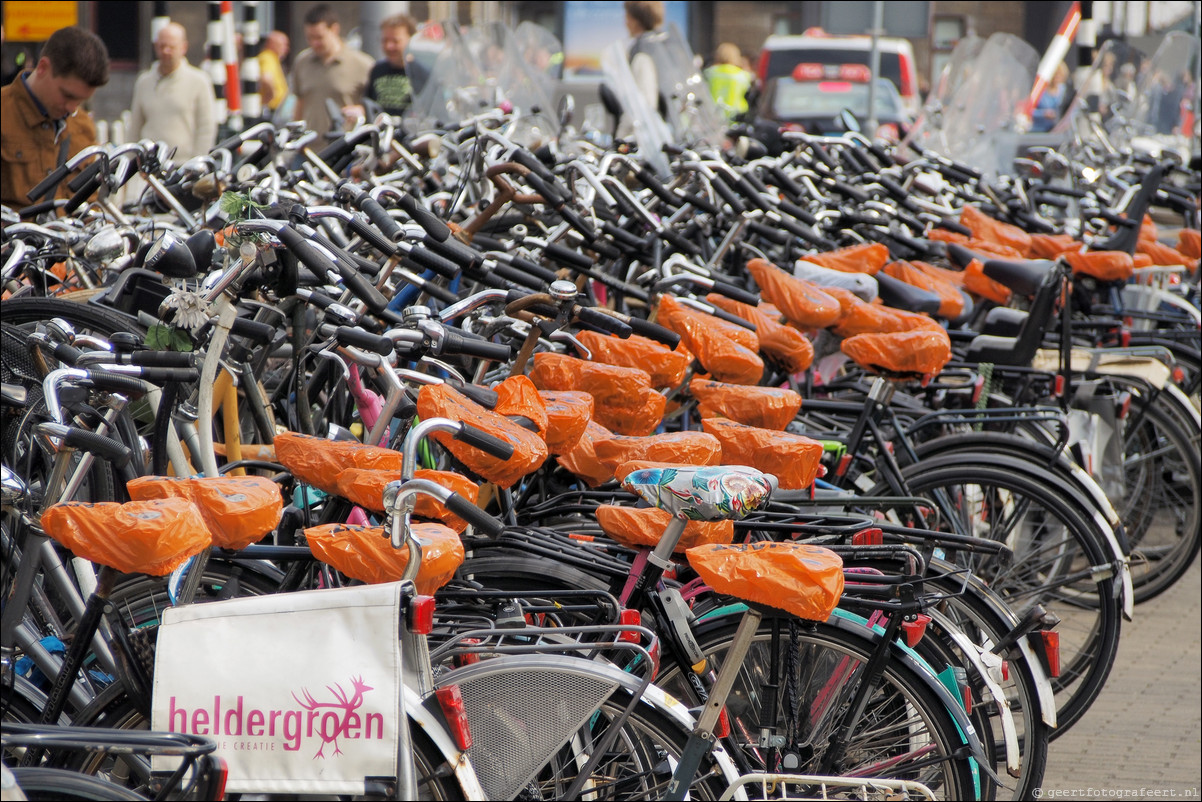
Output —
<point x="705" y="493"/>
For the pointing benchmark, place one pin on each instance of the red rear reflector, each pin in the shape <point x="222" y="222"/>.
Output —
<point x="966" y="692"/>
<point x="630" y="618"/>
<point x="844" y="461"/>
<point x="1051" y="648"/>
<point x="978" y="387"/>
<point x="223" y="775"/>
<point x="1005" y="671"/>
<point x="868" y="537"/>
<point x="1178" y="375"/>
<point x="451" y="701"/>
<point x="1125" y="338"/>
<point x="421" y="615"/>
<point x="1059" y="386"/>
<point x="914" y="630"/>
<point x="653" y="652"/>
<point x="468" y="658"/>
<point x="1124" y="405"/>
<point x="723" y="728"/>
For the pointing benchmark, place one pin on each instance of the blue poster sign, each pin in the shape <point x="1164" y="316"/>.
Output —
<point x="590" y="26"/>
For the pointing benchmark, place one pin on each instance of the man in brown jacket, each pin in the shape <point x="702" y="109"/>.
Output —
<point x="40" y="125"/>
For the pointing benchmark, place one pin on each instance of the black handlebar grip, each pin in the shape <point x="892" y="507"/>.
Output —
<point x="893" y="188"/>
<point x="162" y="359"/>
<point x="475" y="516"/>
<point x="595" y="318"/>
<point x="534" y="269"/>
<point x="679" y="242"/>
<point x="654" y="331"/>
<point x="956" y="226"/>
<point x="623" y="238"/>
<point x="699" y="201"/>
<point x="429" y="221"/>
<point x="358" y="338"/>
<point x="883" y="156"/>
<point x="488" y="243"/>
<point x="48" y="183"/>
<point x="103" y="447"/>
<point x="821" y="155"/>
<point x="722" y="314"/>
<point x="728" y="195"/>
<point x="512" y="274"/>
<point x="532" y="163"/>
<point x="651" y="181"/>
<point x="1052" y="189"/>
<point x="312" y="258"/>
<point x="547" y="189"/>
<point x="954" y="173"/>
<point x="81" y="196"/>
<point x="579" y="223"/>
<point x="373" y="235"/>
<point x="482" y="440"/>
<point x="85" y="175"/>
<point x="778" y="235"/>
<point x="234" y="141"/>
<point x="431" y="288"/>
<point x="261" y="333"/>
<point x="857" y="162"/>
<point x="782" y="180"/>
<point x="1112" y="217"/>
<point x="736" y="293"/>
<point x="481" y="395"/>
<point x="361" y="288"/>
<point x="156" y="375"/>
<point x="849" y="191"/>
<point x="795" y="211"/>
<point x="568" y="257"/>
<point x="458" y="343"/>
<point x="792" y="226"/>
<point x="116" y="382"/>
<point x="428" y="260"/>
<point x="380" y="218"/>
<point x="336" y="150"/>
<point x="465" y="256"/>
<point x="67" y="354"/>
<point x="35" y="209"/>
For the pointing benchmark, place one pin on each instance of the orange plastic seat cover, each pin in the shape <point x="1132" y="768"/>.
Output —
<point x="741" y="334"/>
<point x="951" y="302"/>
<point x="568" y="414"/>
<point x="721" y="356"/>
<point x="665" y="366"/>
<point x="766" y="407"/>
<point x="783" y="345"/>
<point x="151" y="537"/>
<point x="517" y="396"/>
<point x="686" y="448"/>
<point x="795" y="460"/>
<point x="923" y="352"/>
<point x="366" y="553"/>
<point x="529" y="450"/>
<point x="605" y="383"/>
<point x="238" y="510"/>
<point x="582" y="459"/>
<point x="1141" y="260"/>
<point x="1148" y="229"/>
<point x="1102" y="265"/>
<point x="1189" y="243"/>
<point x="860" y="317"/>
<point x="802" y="303"/>
<point x="642" y="528"/>
<point x="985" y="227"/>
<point x="317" y="461"/>
<point x="804" y="580"/>
<point x="866" y="258"/>
<point x="365" y="487"/>
<point x="1049" y="246"/>
<point x="976" y="282"/>
<point x="1164" y="255"/>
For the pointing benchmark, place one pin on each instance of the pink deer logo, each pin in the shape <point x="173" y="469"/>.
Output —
<point x="347" y="706"/>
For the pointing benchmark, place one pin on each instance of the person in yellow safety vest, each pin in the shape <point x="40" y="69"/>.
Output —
<point x="728" y="81"/>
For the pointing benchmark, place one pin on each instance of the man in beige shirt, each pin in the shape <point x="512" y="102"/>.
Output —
<point x="327" y="70"/>
<point x="174" y="101"/>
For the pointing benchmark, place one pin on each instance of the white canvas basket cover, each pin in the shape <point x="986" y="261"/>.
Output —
<point x="301" y="691"/>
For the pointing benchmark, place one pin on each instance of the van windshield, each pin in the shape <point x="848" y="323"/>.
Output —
<point x="782" y="62"/>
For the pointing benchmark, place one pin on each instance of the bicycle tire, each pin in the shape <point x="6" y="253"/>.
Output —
<point x="1085" y="599"/>
<point x="824" y="651"/>
<point x="40" y="782"/>
<point x="1163" y="493"/>
<point x="101" y="320"/>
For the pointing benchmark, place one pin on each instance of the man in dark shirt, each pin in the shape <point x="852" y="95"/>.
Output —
<point x="389" y="83"/>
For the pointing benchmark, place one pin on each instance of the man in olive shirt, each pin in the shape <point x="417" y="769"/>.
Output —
<point x="327" y="70"/>
<point x="40" y="123"/>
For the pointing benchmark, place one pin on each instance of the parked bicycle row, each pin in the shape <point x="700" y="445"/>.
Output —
<point x="486" y="462"/>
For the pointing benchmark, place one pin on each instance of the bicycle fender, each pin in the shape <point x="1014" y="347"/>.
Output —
<point x="433" y="725"/>
<point x="974" y="655"/>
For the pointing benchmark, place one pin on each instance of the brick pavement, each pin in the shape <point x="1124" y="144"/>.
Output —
<point x="1144" y="733"/>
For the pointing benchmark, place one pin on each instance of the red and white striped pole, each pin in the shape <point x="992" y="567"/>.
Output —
<point x="1055" y="54"/>
<point x="229" y="55"/>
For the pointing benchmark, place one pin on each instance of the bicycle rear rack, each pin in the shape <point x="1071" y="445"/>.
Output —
<point x="819" y="787"/>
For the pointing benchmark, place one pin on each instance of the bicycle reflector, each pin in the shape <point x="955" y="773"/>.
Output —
<point x="468" y="658"/>
<point x="872" y="536"/>
<point x="420" y="615"/>
<point x="221" y="775"/>
<point x="1049" y="640"/>
<point x="722" y="728"/>
<point x="450" y="699"/>
<point x="631" y="618"/>
<point x="914" y="630"/>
